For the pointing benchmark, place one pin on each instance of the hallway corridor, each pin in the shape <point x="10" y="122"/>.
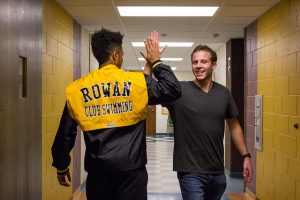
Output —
<point x="162" y="180"/>
<point x="163" y="183"/>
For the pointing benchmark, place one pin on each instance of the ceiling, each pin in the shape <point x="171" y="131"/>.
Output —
<point x="228" y="22"/>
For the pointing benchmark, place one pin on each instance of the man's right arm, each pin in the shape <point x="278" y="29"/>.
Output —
<point x="165" y="88"/>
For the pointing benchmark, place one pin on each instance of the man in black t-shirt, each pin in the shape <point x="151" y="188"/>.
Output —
<point x="198" y="118"/>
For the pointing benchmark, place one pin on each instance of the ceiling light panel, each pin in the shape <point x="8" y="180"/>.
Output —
<point x="164" y="59"/>
<point x="168" y="44"/>
<point x="167" y="11"/>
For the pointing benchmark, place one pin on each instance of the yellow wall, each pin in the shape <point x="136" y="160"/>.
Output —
<point x="278" y="40"/>
<point x="57" y="72"/>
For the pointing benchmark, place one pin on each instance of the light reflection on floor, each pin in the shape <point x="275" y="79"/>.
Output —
<point x="162" y="181"/>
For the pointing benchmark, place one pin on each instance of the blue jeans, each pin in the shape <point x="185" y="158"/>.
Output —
<point x="197" y="186"/>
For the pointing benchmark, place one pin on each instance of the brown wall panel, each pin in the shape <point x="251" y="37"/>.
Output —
<point x="250" y="83"/>
<point x="20" y="141"/>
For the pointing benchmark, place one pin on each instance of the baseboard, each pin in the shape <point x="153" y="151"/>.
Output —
<point x="165" y="134"/>
<point x="77" y="194"/>
<point x="250" y="194"/>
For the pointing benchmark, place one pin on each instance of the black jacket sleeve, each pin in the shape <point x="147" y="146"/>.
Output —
<point x="165" y="88"/>
<point x="64" y="141"/>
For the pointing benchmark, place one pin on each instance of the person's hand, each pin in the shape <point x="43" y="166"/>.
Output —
<point x="152" y="47"/>
<point x="61" y="177"/>
<point x="247" y="170"/>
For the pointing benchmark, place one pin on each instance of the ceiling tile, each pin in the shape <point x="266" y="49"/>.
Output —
<point x="92" y="28"/>
<point x="85" y="2"/>
<point x="97" y="20"/>
<point x="227" y="27"/>
<point x="252" y="2"/>
<point x="243" y="11"/>
<point x="92" y="11"/>
<point x="233" y="20"/>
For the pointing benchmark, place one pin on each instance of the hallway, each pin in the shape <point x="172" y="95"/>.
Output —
<point x="163" y="183"/>
<point x="162" y="180"/>
<point x="46" y="45"/>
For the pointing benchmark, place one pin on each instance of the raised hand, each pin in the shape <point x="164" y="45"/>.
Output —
<point x="152" y="45"/>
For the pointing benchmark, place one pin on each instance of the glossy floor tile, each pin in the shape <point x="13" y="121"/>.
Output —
<point x="162" y="180"/>
<point x="161" y="177"/>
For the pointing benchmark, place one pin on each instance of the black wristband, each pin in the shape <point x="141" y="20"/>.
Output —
<point x="247" y="155"/>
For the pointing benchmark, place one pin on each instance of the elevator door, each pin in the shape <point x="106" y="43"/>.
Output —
<point x="20" y="100"/>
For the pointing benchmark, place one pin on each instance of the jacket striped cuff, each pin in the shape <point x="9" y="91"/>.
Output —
<point x="62" y="171"/>
<point x="156" y="63"/>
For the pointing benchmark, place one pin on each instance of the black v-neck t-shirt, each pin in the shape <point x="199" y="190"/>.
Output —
<point x="199" y="120"/>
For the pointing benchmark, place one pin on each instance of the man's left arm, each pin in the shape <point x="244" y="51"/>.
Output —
<point x="238" y="139"/>
<point x="63" y="144"/>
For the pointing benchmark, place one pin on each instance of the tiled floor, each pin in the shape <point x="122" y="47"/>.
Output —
<point x="162" y="181"/>
<point x="161" y="177"/>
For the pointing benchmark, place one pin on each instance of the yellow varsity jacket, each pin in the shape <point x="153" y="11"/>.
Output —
<point x="105" y="97"/>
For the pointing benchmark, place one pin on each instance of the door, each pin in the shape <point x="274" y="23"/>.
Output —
<point x="20" y="100"/>
<point x="151" y="121"/>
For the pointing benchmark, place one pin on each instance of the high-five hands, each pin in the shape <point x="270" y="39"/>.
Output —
<point x="152" y="47"/>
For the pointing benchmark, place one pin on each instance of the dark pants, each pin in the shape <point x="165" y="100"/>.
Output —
<point x="196" y="186"/>
<point x="131" y="185"/>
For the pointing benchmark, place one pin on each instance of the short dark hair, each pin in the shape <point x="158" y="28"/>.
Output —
<point x="104" y="43"/>
<point x="213" y="55"/>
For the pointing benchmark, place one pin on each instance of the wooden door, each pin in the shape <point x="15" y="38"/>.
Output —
<point x="151" y="121"/>
<point x="235" y="83"/>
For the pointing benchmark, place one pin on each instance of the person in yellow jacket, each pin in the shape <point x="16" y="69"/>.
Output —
<point x="110" y="107"/>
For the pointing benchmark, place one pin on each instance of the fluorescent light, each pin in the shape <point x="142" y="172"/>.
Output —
<point x="169" y="44"/>
<point x="173" y="68"/>
<point x="164" y="59"/>
<point x="167" y="11"/>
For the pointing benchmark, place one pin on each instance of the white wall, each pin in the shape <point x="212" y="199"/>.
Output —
<point x="85" y="46"/>
<point x="94" y="65"/>
<point x="220" y="71"/>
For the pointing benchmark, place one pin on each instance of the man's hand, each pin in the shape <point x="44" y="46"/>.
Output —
<point x="152" y="47"/>
<point x="61" y="177"/>
<point x="247" y="170"/>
